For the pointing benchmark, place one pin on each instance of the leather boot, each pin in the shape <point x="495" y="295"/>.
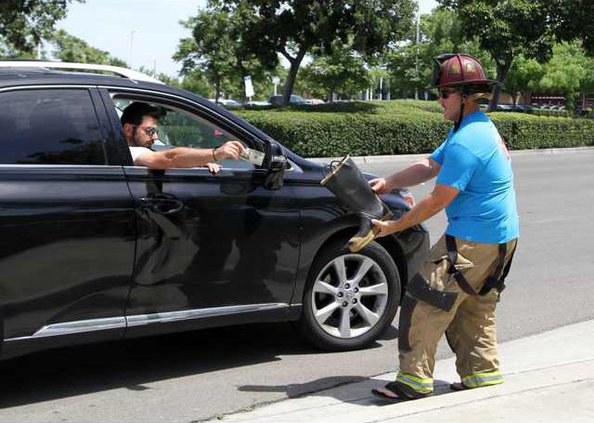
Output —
<point x="351" y="188"/>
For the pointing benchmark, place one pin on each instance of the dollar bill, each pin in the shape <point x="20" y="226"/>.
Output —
<point x="252" y="156"/>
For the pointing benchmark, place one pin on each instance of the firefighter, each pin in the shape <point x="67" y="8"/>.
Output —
<point x="459" y="284"/>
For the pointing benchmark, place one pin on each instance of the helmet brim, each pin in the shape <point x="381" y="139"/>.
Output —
<point x="474" y="82"/>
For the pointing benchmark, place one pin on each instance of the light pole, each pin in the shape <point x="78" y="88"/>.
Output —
<point x="131" y="48"/>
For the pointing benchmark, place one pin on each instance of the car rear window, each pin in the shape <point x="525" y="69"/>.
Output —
<point x="53" y="126"/>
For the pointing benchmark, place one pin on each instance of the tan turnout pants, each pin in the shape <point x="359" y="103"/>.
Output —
<point x="469" y="323"/>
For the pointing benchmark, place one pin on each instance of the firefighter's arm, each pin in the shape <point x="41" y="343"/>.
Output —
<point x="417" y="173"/>
<point x="439" y="199"/>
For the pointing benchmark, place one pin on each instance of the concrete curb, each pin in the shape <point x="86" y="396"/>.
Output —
<point x="414" y="157"/>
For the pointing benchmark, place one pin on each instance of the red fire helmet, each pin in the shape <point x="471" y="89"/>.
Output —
<point x="461" y="70"/>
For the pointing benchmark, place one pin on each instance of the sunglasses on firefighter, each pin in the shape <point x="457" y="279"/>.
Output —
<point x="149" y="130"/>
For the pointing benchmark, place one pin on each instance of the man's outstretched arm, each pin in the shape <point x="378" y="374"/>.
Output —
<point x="189" y="157"/>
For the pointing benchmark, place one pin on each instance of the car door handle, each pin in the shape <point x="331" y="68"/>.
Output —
<point x="162" y="205"/>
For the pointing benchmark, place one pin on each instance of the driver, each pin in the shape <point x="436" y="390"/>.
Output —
<point x="140" y="120"/>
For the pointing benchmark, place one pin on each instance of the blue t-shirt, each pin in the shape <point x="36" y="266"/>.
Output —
<point x="475" y="161"/>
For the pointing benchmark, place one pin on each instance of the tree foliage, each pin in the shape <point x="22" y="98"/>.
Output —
<point x="524" y="77"/>
<point x="340" y="72"/>
<point x="24" y="23"/>
<point x="73" y="49"/>
<point x="574" y="20"/>
<point x="216" y="49"/>
<point x="293" y="28"/>
<point x="568" y="71"/>
<point x="507" y="29"/>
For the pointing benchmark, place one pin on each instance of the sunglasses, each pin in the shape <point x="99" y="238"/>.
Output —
<point x="149" y="130"/>
<point x="444" y="94"/>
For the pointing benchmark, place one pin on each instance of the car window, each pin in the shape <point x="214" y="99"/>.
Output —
<point x="49" y="127"/>
<point x="179" y="128"/>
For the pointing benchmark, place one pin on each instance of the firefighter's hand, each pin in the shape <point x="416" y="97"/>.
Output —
<point x="383" y="227"/>
<point x="379" y="186"/>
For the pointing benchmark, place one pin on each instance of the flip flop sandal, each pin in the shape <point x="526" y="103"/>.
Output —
<point x="395" y="391"/>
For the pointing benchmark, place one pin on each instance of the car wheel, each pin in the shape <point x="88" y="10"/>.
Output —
<point x="350" y="298"/>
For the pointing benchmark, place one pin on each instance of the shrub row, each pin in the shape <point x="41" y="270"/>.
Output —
<point x="402" y="127"/>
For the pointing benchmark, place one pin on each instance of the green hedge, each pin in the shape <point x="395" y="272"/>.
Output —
<point x="401" y="127"/>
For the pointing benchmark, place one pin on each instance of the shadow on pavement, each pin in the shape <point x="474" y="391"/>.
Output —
<point x="131" y="364"/>
<point x="360" y="393"/>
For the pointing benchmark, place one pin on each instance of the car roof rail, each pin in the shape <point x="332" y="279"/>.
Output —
<point x="117" y="70"/>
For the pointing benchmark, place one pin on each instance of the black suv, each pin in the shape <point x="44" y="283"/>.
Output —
<point x="94" y="248"/>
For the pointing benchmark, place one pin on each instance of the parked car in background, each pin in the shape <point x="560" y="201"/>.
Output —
<point x="277" y="100"/>
<point x="314" y="101"/>
<point x="95" y="248"/>
<point x="227" y="102"/>
<point x="505" y="108"/>
<point x="520" y="107"/>
<point x="257" y="103"/>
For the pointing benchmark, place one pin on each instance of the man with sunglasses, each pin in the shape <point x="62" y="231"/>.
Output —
<point x="458" y="286"/>
<point x="140" y="120"/>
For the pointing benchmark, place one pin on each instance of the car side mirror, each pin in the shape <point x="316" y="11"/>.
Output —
<point x="276" y="163"/>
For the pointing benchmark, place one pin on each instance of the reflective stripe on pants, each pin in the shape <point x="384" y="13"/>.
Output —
<point x="478" y="380"/>
<point x="422" y="386"/>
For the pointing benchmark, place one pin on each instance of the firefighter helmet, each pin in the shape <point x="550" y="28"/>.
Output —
<point x="461" y="71"/>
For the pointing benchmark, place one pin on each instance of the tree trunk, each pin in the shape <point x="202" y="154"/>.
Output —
<point x="217" y="90"/>
<point x="292" y="76"/>
<point x="502" y="70"/>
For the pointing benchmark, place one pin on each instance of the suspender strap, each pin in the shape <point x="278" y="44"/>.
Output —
<point x="458" y="276"/>
<point x="496" y="279"/>
<point x="498" y="283"/>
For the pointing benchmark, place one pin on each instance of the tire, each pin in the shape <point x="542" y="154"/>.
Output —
<point x="349" y="312"/>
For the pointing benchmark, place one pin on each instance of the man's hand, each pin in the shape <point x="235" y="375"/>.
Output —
<point x="213" y="168"/>
<point x="379" y="186"/>
<point x="229" y="150"/>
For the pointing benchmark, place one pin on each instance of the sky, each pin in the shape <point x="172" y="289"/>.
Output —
<point x="141" y="32"/>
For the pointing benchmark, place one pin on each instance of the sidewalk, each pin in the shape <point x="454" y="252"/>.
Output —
<point x="411" y="158"/>
<point x="548" y="378"/>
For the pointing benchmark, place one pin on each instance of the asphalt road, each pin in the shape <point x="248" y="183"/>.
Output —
<point x="193" y="376"/>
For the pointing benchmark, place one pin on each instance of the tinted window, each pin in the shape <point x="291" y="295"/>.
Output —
<point x="49" y="127"/>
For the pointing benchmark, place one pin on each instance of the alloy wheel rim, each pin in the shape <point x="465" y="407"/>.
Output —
<point x="349" y="296"/>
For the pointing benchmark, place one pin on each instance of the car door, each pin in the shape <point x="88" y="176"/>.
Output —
<point x="66" y="220"/>
<point x="209" y="246"/>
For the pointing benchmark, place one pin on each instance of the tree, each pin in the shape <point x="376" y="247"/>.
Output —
<point x="210" y="48"/>
<point x="73" y="49"/>
<point x="524" y="77"/>
<point x="23" y="24"/>
<point x="342" y="71"/>
<point x="215" y="50"/>
<point x="292" y="28"/>
<point x="574" y="20"/>
<point x="506" y="29"/>
<point x="567" y="71"/>
<point x="196" y="82"/>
